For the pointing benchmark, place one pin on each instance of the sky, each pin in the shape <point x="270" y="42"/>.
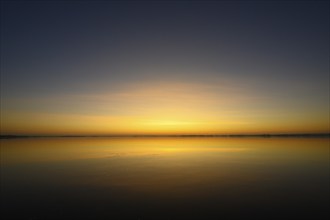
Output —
<point x="177" y="67"/>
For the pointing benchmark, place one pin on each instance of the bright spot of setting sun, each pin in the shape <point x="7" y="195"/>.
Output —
<point x="168" y="123"/>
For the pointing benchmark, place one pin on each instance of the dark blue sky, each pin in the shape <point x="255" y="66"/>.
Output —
<point x="50" y="49"/>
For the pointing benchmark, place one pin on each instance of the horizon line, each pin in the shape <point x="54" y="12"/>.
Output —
<point x="9" y="136"/>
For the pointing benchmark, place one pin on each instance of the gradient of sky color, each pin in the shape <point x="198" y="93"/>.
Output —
<point x="84" y="67"/>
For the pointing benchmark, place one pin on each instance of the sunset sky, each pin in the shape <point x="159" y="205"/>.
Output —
<point x="84" y="67"/>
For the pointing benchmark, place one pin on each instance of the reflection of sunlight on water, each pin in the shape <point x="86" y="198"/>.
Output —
<point x="167" y="169"/>
<point x="64" y="149"/>
<point x="162" y="162"/>
<point x="205" y="149"/>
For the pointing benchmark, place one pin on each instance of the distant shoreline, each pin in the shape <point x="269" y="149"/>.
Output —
<point x="311" y="135"/>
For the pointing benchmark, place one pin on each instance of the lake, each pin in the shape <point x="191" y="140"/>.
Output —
<point x="165" y="178"/>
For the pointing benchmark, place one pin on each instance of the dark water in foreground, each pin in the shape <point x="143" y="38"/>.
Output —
<point x="165" y="178"/>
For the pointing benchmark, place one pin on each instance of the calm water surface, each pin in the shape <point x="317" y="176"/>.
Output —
<point x="165" y="178"/>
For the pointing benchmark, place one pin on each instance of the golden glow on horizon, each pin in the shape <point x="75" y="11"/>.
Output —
<point x="161" y="108"/>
